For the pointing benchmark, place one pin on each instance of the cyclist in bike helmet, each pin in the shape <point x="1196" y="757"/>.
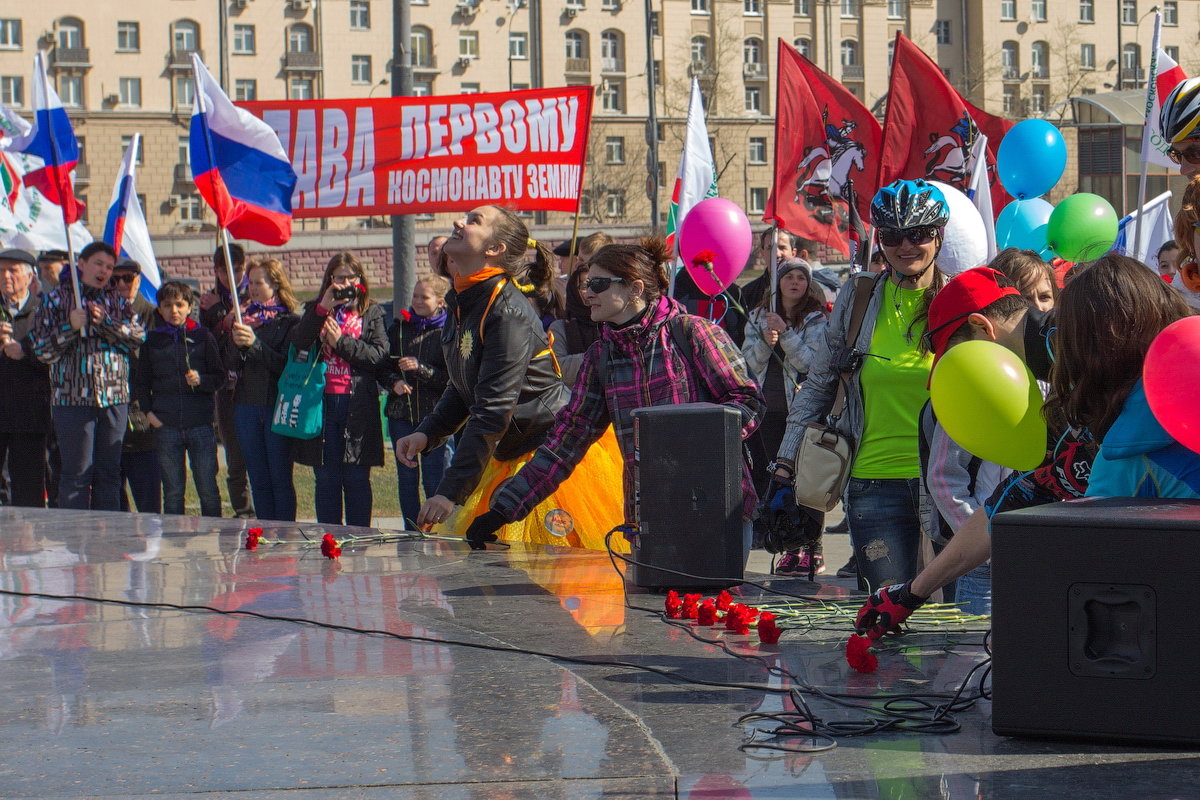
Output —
<point x="888" y="376"/>
<point x="1179" y="124"/>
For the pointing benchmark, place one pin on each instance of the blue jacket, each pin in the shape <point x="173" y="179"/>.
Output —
<point x="1138" y="458"/>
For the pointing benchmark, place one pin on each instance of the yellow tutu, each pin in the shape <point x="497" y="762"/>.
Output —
<point x="593" y="496"/>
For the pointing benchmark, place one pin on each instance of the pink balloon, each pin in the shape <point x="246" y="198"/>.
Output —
<point x="1169" y="376"/>
<point x="718" y="226"/>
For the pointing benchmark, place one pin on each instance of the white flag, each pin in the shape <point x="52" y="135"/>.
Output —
<point x="980" y="192"/>
<point x="1158" y="228"/>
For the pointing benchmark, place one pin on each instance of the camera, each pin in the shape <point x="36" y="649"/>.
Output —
<point x="848" y="359"/>
<point x="346" y="293"/>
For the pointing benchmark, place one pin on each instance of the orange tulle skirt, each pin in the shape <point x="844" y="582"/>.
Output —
<point x="593" y="497"/>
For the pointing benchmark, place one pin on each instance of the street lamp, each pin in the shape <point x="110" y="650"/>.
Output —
<point x="382" y="82"/>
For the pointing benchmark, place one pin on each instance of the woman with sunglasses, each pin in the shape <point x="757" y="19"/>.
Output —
<point x="887" y="386"/>
<point x="504" y="390"/>
<point x="650" y="353"/>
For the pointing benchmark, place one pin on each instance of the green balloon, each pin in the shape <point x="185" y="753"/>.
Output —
<point x="1082" y="228"/>
<point x="990" y="404"/>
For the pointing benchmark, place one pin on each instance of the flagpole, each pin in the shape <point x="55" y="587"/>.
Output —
<point x="1150" y="91"/>
<point x="587" y="146"/>
<point x="233" y="284"/>
<point x="773" y="267"/>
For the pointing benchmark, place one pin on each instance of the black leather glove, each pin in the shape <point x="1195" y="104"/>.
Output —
<point x="886" y="609"/>
<point x="483" y="529"/>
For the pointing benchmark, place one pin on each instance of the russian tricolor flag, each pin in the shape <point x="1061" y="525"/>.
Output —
<point x="52" y="140"/>
<point x="126" y="230"/>
<point x="239" y="165"/>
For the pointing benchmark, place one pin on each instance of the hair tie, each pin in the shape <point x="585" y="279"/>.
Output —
<point x="526" y="288"/>
<point x="531" y="242"/>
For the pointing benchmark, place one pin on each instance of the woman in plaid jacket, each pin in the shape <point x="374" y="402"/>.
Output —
<point x="638" y="362"/>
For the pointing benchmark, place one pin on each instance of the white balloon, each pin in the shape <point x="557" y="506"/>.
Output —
<point x="965" y="246"/>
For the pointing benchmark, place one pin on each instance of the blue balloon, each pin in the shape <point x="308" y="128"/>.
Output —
<point x="1031" y="159"/>
<point x="1022" y="224"/>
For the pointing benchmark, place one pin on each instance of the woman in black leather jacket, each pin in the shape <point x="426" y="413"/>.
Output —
<point x="505" y="385"/>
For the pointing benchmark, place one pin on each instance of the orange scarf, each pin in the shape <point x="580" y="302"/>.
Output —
<point x="464" y="282"/>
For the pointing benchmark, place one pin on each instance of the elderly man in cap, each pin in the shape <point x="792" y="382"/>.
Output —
<point x="50" y="265"/>
<point x="139" y="455"/>
<point x="24" y="384"/>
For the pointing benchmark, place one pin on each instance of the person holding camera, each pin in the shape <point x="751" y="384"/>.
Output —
<point x="354" y="343"/>
<point x="887" y="384"/>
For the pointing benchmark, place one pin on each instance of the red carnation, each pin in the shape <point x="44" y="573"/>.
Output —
<point x="859" y="655"/>
<point x="674" y="605"/>
<point x="253" y="537"/>
<point x="724" y="601"/>
<point x="739" y="618"/>
<point x="768" y="631"/>
<point x="705" y="258"/>
<point x="706" y="614"/>
<point x="330" y="547"/>
<point x="691" y="605"/>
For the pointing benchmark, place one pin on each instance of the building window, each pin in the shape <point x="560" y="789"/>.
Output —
<point x="12" y="90"/>
<point x="184" y="151"/>
<point x="70" y="34"/>
<point x="138" y="157"/>
<point x="360" y="15"/>
<point x="758" y="150"/>
<point x="891" y="52"/>
<point x="185" y="37"/>
<point x="1010" y="69"/>
<point x="1172" y="53"/>
<point x="10" y="34"/>
<point x="245" y="89"/>
<point x="700" y="50"/>
<point x="1037" y="100"/>
<point x="1012" y="99"/>
<point x="699" y="6"/>
<point x="1087" y="10"/>
<point x="614" y="150"/>
<point x="1038" y="10"/>
<point x="300" y="39"/>
<point x="191" y="208"/>
<point x="130" y="92"/>
<point x="849" y="53"/>
<point x="1129" y="12"/>
<point x="243" y="40"/>
<point x="1040" y="53"/>
<point x="610" y="5"/>
<point x="752" y="51"/>
<point x="1087" y="56"/>
<point x="752" y="7"/>
<point x="422" y="46"/>
<point x="941" y="30"/>
<point x="129" y="37"/>
<point x="612" y="57"/>
<point x="1170" y="13"/>
<point x="896" y="9"/>
<point x="754" y="99"/>
<point x="360" y="69"/>
<point x="614" y="204"/>
<point x="468" y="44"/>
<point x="70" y="90"/>
<point x="185" y="91"/>
<point x="300" y="89"/>
<point x="576" y="45"/>
<point x="1008" y="9"/>
<point x="612" y="94"/>
<point x="469" y="88"/>
<point x="758" y="199"/>
<point x="585" y="205"/>
<point x="850" y="8"/>
<point x="1131" y="65"/>
<point x="802" y="8"/>
<point x="422" y="88"/>
<point x="803" y="47"/>
<point x="518" y="46"/>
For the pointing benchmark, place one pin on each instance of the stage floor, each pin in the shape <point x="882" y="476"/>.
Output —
<point x="107" y="700"/>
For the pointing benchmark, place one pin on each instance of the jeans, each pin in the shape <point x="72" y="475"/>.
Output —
<point x="427" y="473"/>
<point x="885" y="529"/>
<point x="142" y="473"/>
<point x="235" y="462"/>
<point x="337" y="481"/>
<point x="268" y="461"/>
<point x="975" y="590"/>
<point x="199" y="445"/>
<point x="89" y="444"/>
<point x="25" y="455"/>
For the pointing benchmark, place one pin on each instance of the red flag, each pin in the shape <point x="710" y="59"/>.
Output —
<point x="930" y="128"/>
<point x="823" y="137"/>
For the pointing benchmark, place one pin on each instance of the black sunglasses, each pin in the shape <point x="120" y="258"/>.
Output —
<point x="1191" y="155"/>
<point x="598" y="285"/>
<point x="892" y="237"/>
<point x="126" y="278"/>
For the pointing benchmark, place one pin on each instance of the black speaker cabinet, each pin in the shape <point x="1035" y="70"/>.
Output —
<point x="689" y="491"/>
<point x="1093" y="621"/>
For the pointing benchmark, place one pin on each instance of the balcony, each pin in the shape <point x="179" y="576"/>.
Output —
<point x="83" y="174"/>
<point x="183" y="173"/>
<point x="1041" y="72"/>
<point x="302" y="61"/>
<point x="1009" y="73"/>
<point x="427" y="63"/>
<point x="182" y="59"/>
<point x="579" y="66"/>
<point x="852" y="72"/>
<point x="1132" y="75"/>
<point x="612" y="64"/>
<point x="754" y="71"/>
<point x="70" y="57"/>
<point x="701" y="69"/>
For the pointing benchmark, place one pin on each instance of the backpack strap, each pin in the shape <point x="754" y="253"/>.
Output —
<point x="863" y="284"/>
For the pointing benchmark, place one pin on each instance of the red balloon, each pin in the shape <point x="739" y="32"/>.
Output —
<point x="1169" y="376"/>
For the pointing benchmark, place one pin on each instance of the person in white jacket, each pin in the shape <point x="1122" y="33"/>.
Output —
<point x="781" y="341"/>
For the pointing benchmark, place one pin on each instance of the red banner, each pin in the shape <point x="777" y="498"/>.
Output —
<point x="825" y="142"/>
<point x="419" y="155"/>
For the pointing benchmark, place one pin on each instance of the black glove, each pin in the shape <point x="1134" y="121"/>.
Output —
<point x="886" y="609"/>
<point x="483" y="529"/>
